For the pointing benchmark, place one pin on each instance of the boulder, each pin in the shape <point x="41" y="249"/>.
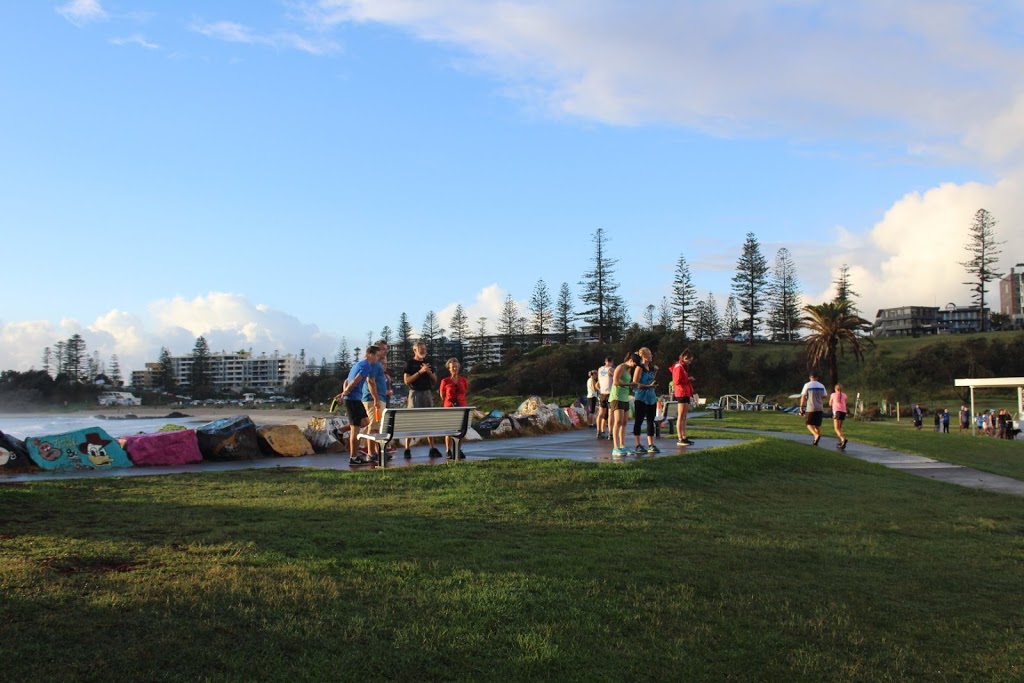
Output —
<point x="327" y="434"/>
<point x="82" y="449"/>
<point x="178" y="447"/>
<point x="13" y="454"/>
<point x="283" y="440"/>
<point x="232" y="438"/>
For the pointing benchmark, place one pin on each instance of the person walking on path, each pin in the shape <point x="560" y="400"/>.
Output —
<point x="812" y="399"/>
<point x="965" y="419"/>
<point x="837" y="401"/>
<point x="453" y="394"/>
<point x="420" y="378"/>
<point x="604" y="388"/>
<point x="361" y="374"/>
<point x="645" y="400"/>
<point x="618" y="403"/>
<point x="682" y="392"/>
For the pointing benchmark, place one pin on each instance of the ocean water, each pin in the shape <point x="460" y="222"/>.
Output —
<point x="24" y="426"/>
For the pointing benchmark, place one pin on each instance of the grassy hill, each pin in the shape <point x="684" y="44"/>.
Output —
<point x="895" y="369"/>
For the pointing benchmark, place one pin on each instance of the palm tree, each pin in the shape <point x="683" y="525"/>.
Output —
<point x="834" y="328"/>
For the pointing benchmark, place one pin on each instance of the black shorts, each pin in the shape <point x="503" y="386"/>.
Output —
<point x="603" y="401"/>
<point x="619" y="405"/>
<point x="814" y="419"/>
<point x="684" y="399"/>
<point x="356" y="412"/>
<point x="839" y="416"/>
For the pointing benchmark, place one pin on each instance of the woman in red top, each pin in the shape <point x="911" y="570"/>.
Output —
<point x="453" y="394"/>
<point x="682" y="385"/>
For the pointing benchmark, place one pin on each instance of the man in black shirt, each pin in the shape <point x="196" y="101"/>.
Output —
<point x="420" y="378"/>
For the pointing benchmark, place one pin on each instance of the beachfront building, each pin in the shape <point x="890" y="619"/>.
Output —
<point x="906" y="321"/>
<point x="1011" y="296"/>
<point x="233" y="372"/>
<point x="955" y="319"/>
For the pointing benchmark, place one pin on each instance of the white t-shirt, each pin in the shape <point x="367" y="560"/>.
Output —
<point x="815" y="393"/>
<point x="604" y="379"/>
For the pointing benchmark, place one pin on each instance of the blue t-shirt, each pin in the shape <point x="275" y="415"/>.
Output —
<point x="377" y="373"/>
<point x="363" y="368"/>
<point x="647" y="395"/>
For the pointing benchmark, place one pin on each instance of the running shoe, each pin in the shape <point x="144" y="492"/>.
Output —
<point x="815" y="442"/>
<point x="653" y="449"/>
<point x="639" y="449"/>
<point x="434" y="453"/>
<point x="408" y="453"/>
<point x="685" y="441"/>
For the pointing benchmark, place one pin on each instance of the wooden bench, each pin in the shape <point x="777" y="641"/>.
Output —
<point x="416" y="423"/>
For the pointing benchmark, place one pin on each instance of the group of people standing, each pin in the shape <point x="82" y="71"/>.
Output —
<point x="368" y="387"/>
<point x="609" y="389"/>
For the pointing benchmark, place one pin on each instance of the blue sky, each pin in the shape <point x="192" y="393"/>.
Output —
<point x="279" y="175"/>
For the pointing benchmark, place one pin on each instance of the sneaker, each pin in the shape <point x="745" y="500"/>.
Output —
<point x="449" y="455"/>
<point x="653" y="449"/>
<point x="639" y="449"/>
<point x="408" y="453"/>
<point x="621" y="451"/>
<point x="816" y="440"/>
<point x="462" y="454"/>
<point x="434" y="453"/>
<point x="685" y="441"/>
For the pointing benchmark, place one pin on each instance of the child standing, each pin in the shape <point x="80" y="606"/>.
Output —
<point x="453" y="394"/>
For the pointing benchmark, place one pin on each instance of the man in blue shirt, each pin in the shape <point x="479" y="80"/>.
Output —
<point x="361" y="376"/>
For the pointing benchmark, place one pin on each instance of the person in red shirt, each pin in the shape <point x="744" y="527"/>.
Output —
<point x="683" y="392"/>
<point x="453" y="394"/>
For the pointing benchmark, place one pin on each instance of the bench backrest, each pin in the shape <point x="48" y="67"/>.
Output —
<point x="427" y="421"/>
<point x="672" y="410"/>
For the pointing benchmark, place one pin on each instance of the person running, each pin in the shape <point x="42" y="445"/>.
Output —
<point x="604" y="388"/>
<point x="965" y="419"/>
<point x="420" y="378"/>
<point x="593" y="393"/>
<point x="645" y="400"/>
<point x="837" y="401"/>
<point x="618" y="403"/>
<point x="453" y="394"/>
<point x="361" y="374"/>
<point x="682" y="391"/>
<point x="812" y="398"/>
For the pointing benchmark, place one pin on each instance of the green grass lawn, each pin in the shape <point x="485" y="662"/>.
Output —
<point x="765" y="561"/>
<point x="998" y="456"/>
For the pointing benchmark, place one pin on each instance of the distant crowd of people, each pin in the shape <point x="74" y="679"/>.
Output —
<point x="994" y="423"/>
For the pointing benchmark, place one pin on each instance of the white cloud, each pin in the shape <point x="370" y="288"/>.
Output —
<point x="233" y="32"/>
<point x="488" y="303"/>
<point x="915" y="74"/>
<point x="135" y="39"/>
<point x="81" y="12"/>
<point x="228" y="322"/>
<point x="912" y="256"/>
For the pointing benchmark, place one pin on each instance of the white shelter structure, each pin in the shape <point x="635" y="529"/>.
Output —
<point x="994" y="383"/>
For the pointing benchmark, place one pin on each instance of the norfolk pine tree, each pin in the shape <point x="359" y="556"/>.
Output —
<point x="984" y="250"/>
<point x="600" y="290"/>
<point x="749" y="284"/>
<point x="684" y="296"/>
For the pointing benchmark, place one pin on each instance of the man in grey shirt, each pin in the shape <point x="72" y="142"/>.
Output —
<point x="812" y="400"/>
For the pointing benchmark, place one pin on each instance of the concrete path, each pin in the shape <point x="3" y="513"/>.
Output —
<point x="581" y="445"/>
<point x="916" y="465"/>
